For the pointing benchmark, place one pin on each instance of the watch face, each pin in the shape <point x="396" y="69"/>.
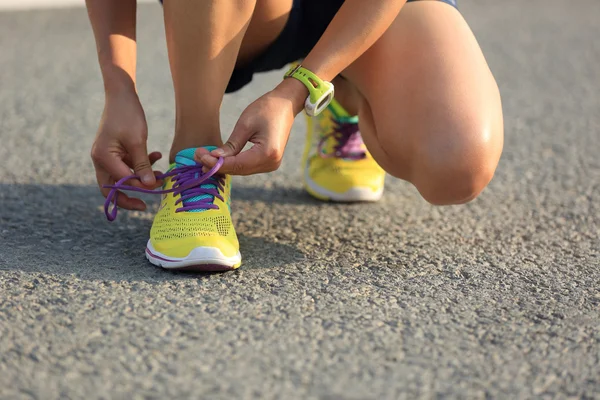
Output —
<point x="325" y="101"/>
<point x="319" y="105"/>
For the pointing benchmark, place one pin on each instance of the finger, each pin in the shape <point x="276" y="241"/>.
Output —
<point x="142" y="165"/>
<point x="239" y="137"/>
<point x="123" y="200"/>
<point x="251" y="161"/>
<point x="138" y="184"/>
<point x="126" y="202"/>
<point x="205" y="158"/>
<point x="110" y="168"/>
<point x="154" y="157"/>
<point x="199" y="153"/>
<point x="207" y="161"/>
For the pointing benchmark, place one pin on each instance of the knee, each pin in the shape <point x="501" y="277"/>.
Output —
<point x="453" y="185"/>
<point x="455" y="167"/>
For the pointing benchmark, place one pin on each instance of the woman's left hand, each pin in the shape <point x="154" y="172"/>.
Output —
<point x="266" y="123"/>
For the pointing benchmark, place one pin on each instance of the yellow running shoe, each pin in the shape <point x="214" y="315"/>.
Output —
<point x="192" y="230"/>
<point x="337" y="165"/>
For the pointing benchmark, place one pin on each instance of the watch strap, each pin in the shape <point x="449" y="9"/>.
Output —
<point x="315" y="85"/>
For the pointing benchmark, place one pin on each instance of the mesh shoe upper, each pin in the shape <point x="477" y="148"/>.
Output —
<point x="336" y="159"/>
<point x="175" y="233"/>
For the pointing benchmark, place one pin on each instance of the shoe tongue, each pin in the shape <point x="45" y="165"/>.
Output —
<point x="186" y="158"/>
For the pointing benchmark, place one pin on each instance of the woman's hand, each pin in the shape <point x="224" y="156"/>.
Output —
<point x="266" y="124"/>
<point x="120" y="147"/>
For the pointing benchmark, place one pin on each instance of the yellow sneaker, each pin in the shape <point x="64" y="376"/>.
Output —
<point x="192" y="229"/>
<point x="337" y="165"/>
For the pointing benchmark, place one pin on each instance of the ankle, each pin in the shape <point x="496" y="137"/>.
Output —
<point x="183" y="142"/>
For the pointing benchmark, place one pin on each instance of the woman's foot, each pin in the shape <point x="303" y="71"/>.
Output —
<point x="192" y="229"/>
<point x="336" y="163"/>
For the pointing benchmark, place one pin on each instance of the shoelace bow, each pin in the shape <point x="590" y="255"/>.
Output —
<point x="349" y="141"/>
<point x="186" y="183"/>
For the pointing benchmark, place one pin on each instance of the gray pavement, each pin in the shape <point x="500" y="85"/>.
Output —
<point x="496" y="299"/>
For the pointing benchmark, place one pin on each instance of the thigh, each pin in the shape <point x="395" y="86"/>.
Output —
<point x="266" y="42"/>
<point x="431" y="104"/>
<point x="268" y="21"/>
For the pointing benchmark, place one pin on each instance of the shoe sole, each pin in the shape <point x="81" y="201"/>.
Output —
<point x="200" y="259"/>
<point x="356" y="194"/>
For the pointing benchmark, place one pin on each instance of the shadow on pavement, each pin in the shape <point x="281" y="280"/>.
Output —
<point x="61" y="229"/>
<point x="276" y="194"/>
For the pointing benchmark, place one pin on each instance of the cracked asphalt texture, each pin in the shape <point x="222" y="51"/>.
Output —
<point x="496" y="299"/>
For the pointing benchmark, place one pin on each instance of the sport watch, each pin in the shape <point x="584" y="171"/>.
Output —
<point x="320" y="91"/>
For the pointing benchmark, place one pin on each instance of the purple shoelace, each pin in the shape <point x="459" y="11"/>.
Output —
<point x="187" y="181"/>
<point x="349" y="141"/>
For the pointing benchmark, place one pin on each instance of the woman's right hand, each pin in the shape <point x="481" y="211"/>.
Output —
<point x="120" y="147"/>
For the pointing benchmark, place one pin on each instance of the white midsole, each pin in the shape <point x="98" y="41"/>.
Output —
<point x="198" y="256"/>
<point x="354" y="194"/>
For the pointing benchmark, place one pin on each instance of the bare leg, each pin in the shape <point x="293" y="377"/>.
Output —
<point x="430" y="110"/>
<point x="203" y="51"/>
<point x="347" y="95"/>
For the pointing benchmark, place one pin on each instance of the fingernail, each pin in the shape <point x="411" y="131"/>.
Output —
<point x="218" y="152"/>
<point x="140" y="207"/>
<point x="147" y="179"/>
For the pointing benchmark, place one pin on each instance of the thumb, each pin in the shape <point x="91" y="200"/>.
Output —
<point x="142" y="166"/>
<point x="236" y="142"/>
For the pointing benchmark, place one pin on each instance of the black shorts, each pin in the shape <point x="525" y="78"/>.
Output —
<point x="307" y="21"/>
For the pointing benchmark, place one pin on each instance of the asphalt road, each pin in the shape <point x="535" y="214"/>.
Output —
<point x="496" y="299"/>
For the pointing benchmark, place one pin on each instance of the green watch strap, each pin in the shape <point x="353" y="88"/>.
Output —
<point x="315" y="85"/>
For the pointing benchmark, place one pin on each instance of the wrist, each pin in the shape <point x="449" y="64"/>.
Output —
<point x="117" y="81"/>
<point x="117" y="97"/>
<point x="295" y="91"/>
